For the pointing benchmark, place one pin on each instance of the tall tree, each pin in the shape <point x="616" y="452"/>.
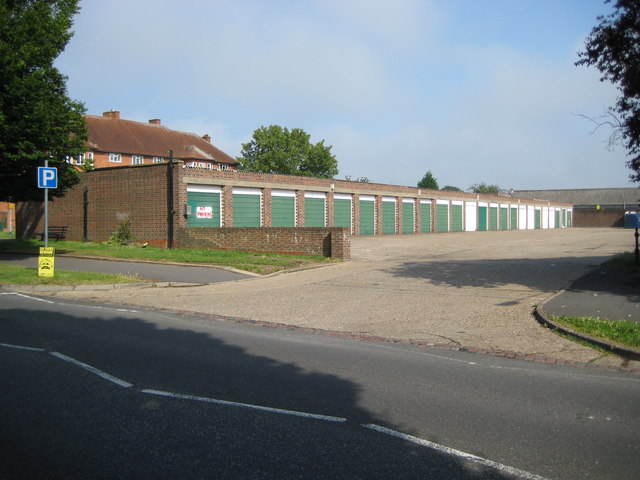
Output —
<point x="484" y="188"/>
<point x="451" y="188"/>
<point x="429" y="181"/>
<point x="38" y="121"/>
<point x="274" y="149"/>
<point x="613" y="47"/>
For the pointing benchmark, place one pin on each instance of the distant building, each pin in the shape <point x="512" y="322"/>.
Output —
<point x="7" y="217"/>
<point x="592" y="207"/>
<point x="114" y="142"/>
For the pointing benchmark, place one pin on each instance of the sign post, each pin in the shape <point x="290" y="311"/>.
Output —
<point x="47" y="178"/>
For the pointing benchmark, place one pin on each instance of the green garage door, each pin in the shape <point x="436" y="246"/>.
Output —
<point x="408" y="217"/>
<point x="425" y="216"/>
<point x="482" y="217"/>
<point x="388" y="215"/>
<point x="514" y="218"/>
<point x="504" y="217"/>
<point x="442" y="216"/>
<point x="283" y="208"/>
<point x="558" y="224"/>
<point x="246" y="207"/>
<point x="493" y="217"/>
<point x="314" y="209"/>
<point x="205" y="206"/>
<point x="367" y="215"/>
<point x="342" y="210"/>
<point x="456" y="217"/>
<point x="569" y="218"/>
<point x="538" y="218"/>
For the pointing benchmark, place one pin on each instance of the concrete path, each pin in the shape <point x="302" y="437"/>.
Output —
<point x="472" y="290"/>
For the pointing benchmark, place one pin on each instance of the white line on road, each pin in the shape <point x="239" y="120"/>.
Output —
<point x="27" y="296"/>
<point x="457" y="453"/>
<point x="314" y="416"/>
<point x="20" y="347"/>
<point x="93" y="370"/>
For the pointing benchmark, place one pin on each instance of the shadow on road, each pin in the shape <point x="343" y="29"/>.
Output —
<point x="67" y="423"/>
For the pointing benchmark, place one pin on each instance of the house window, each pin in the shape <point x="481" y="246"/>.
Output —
<point x="115" y="157"/>
<point x="223" y="166"/>
<point x="80" y="159"/>
<point x="158" y="160"/>
<point x="137" y="160"/>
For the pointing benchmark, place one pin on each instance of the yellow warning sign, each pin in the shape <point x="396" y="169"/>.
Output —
<point x="46" y="262"/>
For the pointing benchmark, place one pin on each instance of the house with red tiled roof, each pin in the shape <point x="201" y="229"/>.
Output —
<point x="115" y="142"/>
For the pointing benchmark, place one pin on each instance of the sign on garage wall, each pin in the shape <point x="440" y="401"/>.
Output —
<point x="204" y="206"/>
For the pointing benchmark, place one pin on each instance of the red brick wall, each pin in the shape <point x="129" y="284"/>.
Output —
<point x="114" y="195"/>
<point x="606" y="217"/>
<point x="329" y="242"/>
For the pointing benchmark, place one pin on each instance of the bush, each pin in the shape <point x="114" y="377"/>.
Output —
<point x="122" y="234"/>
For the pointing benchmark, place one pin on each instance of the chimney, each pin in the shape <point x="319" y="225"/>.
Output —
<point x="155" y="121"/>
<point x="207" y="137"/>
<point x="112" y="114"/>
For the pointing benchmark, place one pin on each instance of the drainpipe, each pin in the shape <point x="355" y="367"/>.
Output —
<point x="85" y="219"/>
<point x="170" y="199"/>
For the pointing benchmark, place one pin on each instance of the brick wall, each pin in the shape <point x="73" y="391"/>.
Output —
<point x="329" y="242"/>
<point x="605" y="217"/>
<point x="112" y="196"/>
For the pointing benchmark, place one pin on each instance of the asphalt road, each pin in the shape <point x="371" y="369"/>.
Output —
<point x="102" y="392"/>
<point x="147" y="271"/>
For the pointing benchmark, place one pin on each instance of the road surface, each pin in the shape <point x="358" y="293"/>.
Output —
<point x="93" y="391"/>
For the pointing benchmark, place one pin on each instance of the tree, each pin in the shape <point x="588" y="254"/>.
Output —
<point x="613" y="47"/>
<point x="275" y="149"/>
<point x="451" y="188"/>
<point x="37" y="119"/>
<point x="429" y="181"/>
<point x="357" y="179"/>
<point x="484" y="188"/>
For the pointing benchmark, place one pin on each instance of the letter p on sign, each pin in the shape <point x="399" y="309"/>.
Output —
<point x="47" y="177"/>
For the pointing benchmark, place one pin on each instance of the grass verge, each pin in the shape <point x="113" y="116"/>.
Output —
<point x="16" y="275"/>
<point x="623" y="332"/>
<point x="262" y="263"/>
<point x="625" y="262"/>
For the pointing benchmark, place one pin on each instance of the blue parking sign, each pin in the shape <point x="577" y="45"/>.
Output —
<point x="47" y="177"/>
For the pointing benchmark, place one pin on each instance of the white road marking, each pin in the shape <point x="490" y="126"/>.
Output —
<point x="27" y="296"/>
<point x="93" y="370"/>
<point x="315" y="416"/>
<point x="20" y="347"/>
<point x="456" y="453"/>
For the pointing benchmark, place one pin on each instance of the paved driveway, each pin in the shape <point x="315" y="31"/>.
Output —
<point x="460" y="289"/>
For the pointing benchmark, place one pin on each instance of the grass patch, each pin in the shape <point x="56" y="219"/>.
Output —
<point x="7" y="235"/>
<point x="262" y="263"/>
<point x="16" y="275"/>
<point x="623" y="332"/>
<point x="625" y="262"/>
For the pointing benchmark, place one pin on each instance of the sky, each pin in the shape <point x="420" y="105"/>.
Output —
<point x="472" y="90"/>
